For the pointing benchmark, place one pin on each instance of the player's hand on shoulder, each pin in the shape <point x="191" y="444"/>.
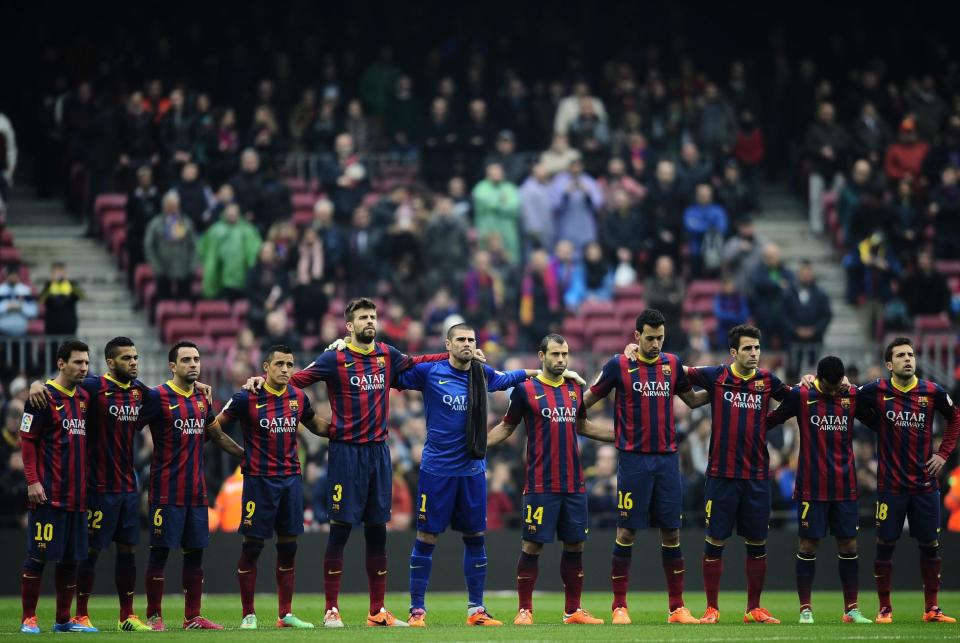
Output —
<point x="632" y="352"/>
<point x="575" y="376"/>
<point x="338" y="344"/>
<point x="38" y="394"/>
<point x="807" y="380"/>
<point x="205" y="390"/>
<point x="254" y="384"/>
<point x="479" y="356"/>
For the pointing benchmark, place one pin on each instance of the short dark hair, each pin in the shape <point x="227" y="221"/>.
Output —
<point x="357" y="304"/>
<point x="830" y="369"/>
<point x="650" y="317"/>
<point x="461" y="326"/>
<point x="175" y="349"/>
<point x="897" y="341"/>
<point x="276" y="348"/>
<point x="113" y="347"/>
<point x="743" y="330"/>
<point x="69" y="347"/>
<point x="552" y="337"/>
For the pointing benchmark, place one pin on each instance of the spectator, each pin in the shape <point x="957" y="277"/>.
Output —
<point x="440" y="307"/>
<point x="501" y="506"/>
<point x="264" y="135"/>
<point x="142" y="204"/>
<point x="559" y="155"/>
<point x="278" y="331"/>
<point x="852" y="194"/>
<point x="571" y="107"/>
<point x="576" y="199"/>
<point x="749" y="152"/>
<point x="170" y="245"/>
<point x="195" y="195"/>
<point x="638" y="156"/>
<point x="601" y="479"/>
<point x="496" y="204"/>
<point x="929" y="108"/>
<point x="826" y="145"/>
<point x="871" y="135"/>
<point x="618" y="179"/>
<point x="363" y="261"/>
<point x="440" y="143"/>
<point x="138" y="145"/>
<point x="408" y="284"/>
<point x="591" y="135"/>
<point x="17" y="304"/>
<point x="945" y="208"/>
<point x="946" y="152"/>
<point x="733" y="194"/>
<point x="665" y="291"/>
<point x="729" y="309"/>
<point x="705" y="224"/>
<point x="718" y="123"/>
<point x="244" y="354"/>
<point x="450" y="245"/>
<point x="175" y="131"/>
<point x="909" y="220"/>
<point x="228" y="148"/>
<point x="331" y="236"/>
<point x="692" y="170"/>
<point x="536" y="210"/>
<point x="541" y="299"/>
<point x="301" y="122"/>
<point x="358" y="127"/>
<point x="663" y="214"/>
<point x="514" y="112"/>
<point x="395" y="324"/>
<point x="873" y="214"/>
<point x="878" y="271"/>
<point x="769" y="284"/>
<point x="462" y="205"/>
<point x="59" y="298"/>
<point x="403" y="116"/>
<point x="925" y="290"/>
<point x="592" y="279"/>
<point x="8" y="156"/>
<point x="228" y="251"/>
<point x="482" y="295"/>
<point x="248" y="185"/>
<point x="620" y="226"/>
<point x="505" y="153"/>
<point x="268" y="287"/>
<point x="807" y="314"/>
<point x="345" y="178"/>
<point x="905" y="157"/>
<point x="477" y="139"/>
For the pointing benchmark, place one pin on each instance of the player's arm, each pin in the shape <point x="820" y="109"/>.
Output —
<point x="866" y="414"/>
<point x="605" y="382"/>
<point x="205" y="390"/>
<point x="32" y="425"/>
<point x="317" y="426"/>
<point x="594" y="431"/>
<point x="693" y="399"/>
<point x="500" y="433"/>
<point x="502" y="380"/>
<point x="38" y="394"/>
<point x="945" y="406"/>
<point x="216" y="435"/>
<point x="412" y="379"/>
<point x="785" y="411"/>
<point x="511" y="419"/>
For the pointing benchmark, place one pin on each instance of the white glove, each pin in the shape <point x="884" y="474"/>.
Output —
<point x="575" y="376"/>
<point x="337" y="345"/>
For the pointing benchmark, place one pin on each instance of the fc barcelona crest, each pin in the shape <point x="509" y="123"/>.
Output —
<point x="135" y="394"/>
<point x="667" y="370"/>
<point x="923" y="400"/>
<point x="381" y="362"/>
<point x="845" y="402"/>
<point x="202" y="407"/>
<point x="573" y="395"/>
<point x="759" y="385"/>
<point x="294" y="405"/>
<point x="83" y="406"/>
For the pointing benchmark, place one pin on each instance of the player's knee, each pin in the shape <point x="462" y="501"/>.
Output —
<point x="126" y="548"/>
<point x="712" y="549"/>
<point x="158" y="556"/>
<point x="808" y="545"/>
<point x="532" y="548"/>
<point x="192" y="557"/>
<point x="33" y="565"/>
<point x="625" y="536"/>
<point x="847" y="547"/>
<point x="376" y="538"/>
<point x="757" y="549"/>
<point x="716" y="542"/>
<point x="339" y="534"/>
<point x="670" y="537"/>
<point x="930" y="549"/>
<point x="427" y="538"/>
<point x="574" y="547"/>
<point x="251" y="548"/>
<point x="286" y="539"/>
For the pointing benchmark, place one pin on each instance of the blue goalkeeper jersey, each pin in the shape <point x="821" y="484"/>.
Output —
<point x="445" y="400"/>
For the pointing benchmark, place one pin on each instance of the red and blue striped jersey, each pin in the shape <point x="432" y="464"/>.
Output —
<point x="826" y="470"/>
<point x="905" y="432"/>
<point x="550" y="413"/>
<point x="178" y="422"/>
<point x="643" y="421"/>
<point x="738" y="440"/>
<point x="60" y="432"/>
<point x="113" y="421"/>
<point x="358" y="385"/>
<point x="269" y="421"/>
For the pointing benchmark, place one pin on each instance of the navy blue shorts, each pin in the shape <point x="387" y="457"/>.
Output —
<point x="271" y="503"/>
<point x="56" y="535"/>
<point x="113" y="518"/>
<point x="547" y="516"/>
<point x="177" y="527"/>
<point x="649" y="490"/>
<point x="733" y="501"/>
<point x="922" y="510"/>
<point x="841" y="516"/>
<point x="361" y="483"/>
<point x="457" y="501"/>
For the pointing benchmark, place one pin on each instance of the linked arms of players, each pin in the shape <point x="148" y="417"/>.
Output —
<point x="585" y="428"/>
<point x="216" y="435"/>
<point x="39" y="394"/>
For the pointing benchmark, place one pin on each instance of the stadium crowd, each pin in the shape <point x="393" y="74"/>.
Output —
<point x="508" y="197"/>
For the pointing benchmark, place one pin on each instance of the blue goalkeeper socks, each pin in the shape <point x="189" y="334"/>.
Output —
<point x="421" y="560"/>
<point x="474" y="569"/>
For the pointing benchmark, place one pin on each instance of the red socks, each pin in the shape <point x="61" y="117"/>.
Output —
<point x="528" y="569"/>
<point x="571" y="572"/>
<point x="30" y="576"/>
<point x="756" y="566"/>
<point x="620" y="573"/>
<point x="930" y="563"/>
<point x="125" y="577"/>
<point x="333" y="562"/>
<point x="286" y="574"/>
<point x="712" y="569"/>
<point x="65" y="581"/>
<point x="673" y="571"/>
<point x="247" y="574"/>
<point x="883" y="573"/>
<point x="192" y="581"/>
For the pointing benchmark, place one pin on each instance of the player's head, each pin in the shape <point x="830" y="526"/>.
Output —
<point x="278" y="365"/>
<point x="361" y="317"/>
<point x="830" y="372"/>
<point x="651" y="329"/>
<point x="121" y="356"/>
<point x="461" y="342"/>
<point x="73" y="361"/>
<point x="744" y="342"/>
<point x="184" y="359"/>
<point x="900" y="358"/>
<point x="554" y="355"/>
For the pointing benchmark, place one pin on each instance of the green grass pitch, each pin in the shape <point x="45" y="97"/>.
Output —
<point x="447" y="614"/>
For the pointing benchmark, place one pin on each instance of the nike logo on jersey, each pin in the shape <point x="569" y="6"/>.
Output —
<point x="887" y="398"/>
<point x="333" y="573"/>
<point x="348" y="364"/>
<point x="260" y="406"/>
<point x="634" y="370"/>
<point x="442" y="382"/>
<point x="812" y="401"/>
<point x="108" y="394"/>
<point x="60" y="408"/>
<point x="172" y="406"/>
<point x="381" y="572"/>
<point x="540" y="396"/>
<point x="286" y="569"/>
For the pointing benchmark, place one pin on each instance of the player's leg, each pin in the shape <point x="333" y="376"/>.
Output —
<point x="65" y="573"/>
<point x="376" y="515"/>
<point x="31" y="575"/>
<point x="528" y="569"/>
<point x="720" y="507"/>
<point x="436" y="497"/>
<point x="258" y="507"/>
<point x="102" y="513"/>
<point x="844" y="520"/>
<point x="891" y="510"/>
<point x="196" y="538"/>
<point x="167" y="530"/>
<point x="572" y="531"/>
<point x="126" y="537"/>
<point x="346" y="499"/>
<point x="288" y="525"/>
<point x="43" y="544"/>
<point x="635" y="484"/>
<point x="812" y="521"/>
<point x="753" y="523"/>
<point x="470" y="518"/>
<point x="85" y="574"/>
<point x="540" y="513"/>
<point x="250" y="549"/>
<point x="666" y="511"/>
<point x="923" y="512"/>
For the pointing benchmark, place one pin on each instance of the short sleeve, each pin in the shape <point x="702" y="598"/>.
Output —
<point x="517" y="407"/>
<point x="608" y="378"/>
<point x="400" y="361"/>
<point x="236" y="407"/>
<point x="943" y="402"/>
<point x="787" y="409"/>
<point x="307" y="413"/>
<point x="703" y="376"/>
<point x="151" y="407"/>
<point x="91" y="385"/>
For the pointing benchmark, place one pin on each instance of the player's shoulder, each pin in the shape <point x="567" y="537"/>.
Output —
<point x="873" y="387"/>
<point x="615" y="362"/>
<point x="929" y="387"/>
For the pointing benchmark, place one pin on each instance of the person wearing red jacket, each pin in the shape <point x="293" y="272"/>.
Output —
<point x="905" y="157"/>
<point x="749" y="151"/>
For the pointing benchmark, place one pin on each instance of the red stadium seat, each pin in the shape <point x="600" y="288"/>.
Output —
<point x="702" y="288"/>
<point x="224" y="344"/>
<point x="240" y="309"/>
<point x="598" y="326"/>
<point x="110" y="201"/>
<point x="6" y="238"/>
<point x="177" y="329"/>
<point x="118" y="241"/>
<point x="35" y="327"/>
<point x="608" y="344"/>
<point x="149" y="293"/>
<point x="141" y="277"/>
<point x="112" y="220"/>
<point x="221" y="327"/>
<point x="167" y="310"/>
<point x="628" y="311"/>
<point x="208" y="308"/>
<point x="931" y="323"/>
<point x="626" y="293"/>
<point x="9" y="254"/>
<point x="698" y="306"/>
<point x="302" y="218"/>
<point x="948" y="268"/>
<point x="303" y="201"/>
<point x="310" y="344"/>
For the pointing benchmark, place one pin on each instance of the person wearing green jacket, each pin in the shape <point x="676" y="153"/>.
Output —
<point x="496" y="206"/>
<point x="228" y="250"/>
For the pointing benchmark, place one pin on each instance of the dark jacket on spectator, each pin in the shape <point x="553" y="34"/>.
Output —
<point x="808" y="306"/>
<point x="926" y="293"/>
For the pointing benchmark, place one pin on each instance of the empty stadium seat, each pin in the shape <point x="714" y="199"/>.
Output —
<point x="633" y="291"/>
<point x="931" y="323"/>
<point x="9" y="254"/>
<point x="182" y="328"/>
<point x="207" y="308"/>
<point x="167" y="310"/>
<point x="303" y="200"/>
